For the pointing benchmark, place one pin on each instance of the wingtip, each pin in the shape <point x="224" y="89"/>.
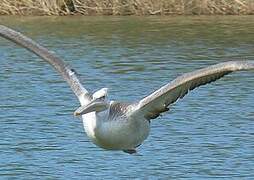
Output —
<point x="238" y="65"/>
<point x="244" y="65"/>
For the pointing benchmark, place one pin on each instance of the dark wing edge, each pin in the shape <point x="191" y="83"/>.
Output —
<point x="67" y="73"/>
<point x="152" y="105"/>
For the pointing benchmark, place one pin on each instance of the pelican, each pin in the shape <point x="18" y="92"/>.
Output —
<point x="121" y="126"/>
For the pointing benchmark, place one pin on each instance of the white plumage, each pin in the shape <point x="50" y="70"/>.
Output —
<point x="122" y="126"/>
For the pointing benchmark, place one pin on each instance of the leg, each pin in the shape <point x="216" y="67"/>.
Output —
<point x="130" y="151"/>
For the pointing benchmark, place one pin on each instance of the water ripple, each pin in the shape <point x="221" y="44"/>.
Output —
<point x="209" y="134"/>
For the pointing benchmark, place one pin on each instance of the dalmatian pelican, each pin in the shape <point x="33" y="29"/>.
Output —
<point x="115" y="125"/>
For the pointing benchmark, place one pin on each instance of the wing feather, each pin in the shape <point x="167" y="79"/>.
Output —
<point x="152" y="105"/>
<point x="67" y="73"/>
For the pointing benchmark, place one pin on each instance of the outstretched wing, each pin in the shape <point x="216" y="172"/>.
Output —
<point x="67" y="73"/>
<point x="151" y="106"/>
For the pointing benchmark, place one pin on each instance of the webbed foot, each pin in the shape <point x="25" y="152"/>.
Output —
<point x="130" y="151"/>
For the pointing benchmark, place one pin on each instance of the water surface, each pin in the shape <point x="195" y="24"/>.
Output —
<point x="207" y="134"/>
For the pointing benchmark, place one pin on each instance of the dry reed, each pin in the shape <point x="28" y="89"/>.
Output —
<point x="126" y="7"/>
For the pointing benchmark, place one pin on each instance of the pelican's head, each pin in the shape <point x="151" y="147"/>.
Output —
<point x="101" y="94"/>
<point x="98" y="104"/>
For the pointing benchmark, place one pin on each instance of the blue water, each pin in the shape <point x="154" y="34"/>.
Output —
<point x="208" y="134"/>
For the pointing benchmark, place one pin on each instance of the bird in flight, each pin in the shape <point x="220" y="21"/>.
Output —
<point x="115" y="125"/>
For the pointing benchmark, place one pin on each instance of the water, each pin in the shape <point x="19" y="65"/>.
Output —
<point x="208" y="134"/>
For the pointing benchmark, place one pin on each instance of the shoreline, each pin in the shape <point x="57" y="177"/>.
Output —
<point x="125" y="8"/>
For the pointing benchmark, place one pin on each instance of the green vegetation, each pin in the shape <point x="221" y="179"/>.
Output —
<point x="126" y="7"/>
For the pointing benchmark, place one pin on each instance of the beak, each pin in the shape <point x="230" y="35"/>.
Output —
<point x="94" y="105"/>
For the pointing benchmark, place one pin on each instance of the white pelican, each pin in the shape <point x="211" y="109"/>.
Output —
<point x="124" y="126"/>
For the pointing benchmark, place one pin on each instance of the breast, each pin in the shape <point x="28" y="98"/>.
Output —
<point x="122" y="134"/>
<point x="114" y="130"/>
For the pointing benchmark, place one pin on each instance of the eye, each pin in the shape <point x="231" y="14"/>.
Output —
<point x="102" y="97"/>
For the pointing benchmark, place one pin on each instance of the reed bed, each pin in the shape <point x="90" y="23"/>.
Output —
<point x="126" y="7"/>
